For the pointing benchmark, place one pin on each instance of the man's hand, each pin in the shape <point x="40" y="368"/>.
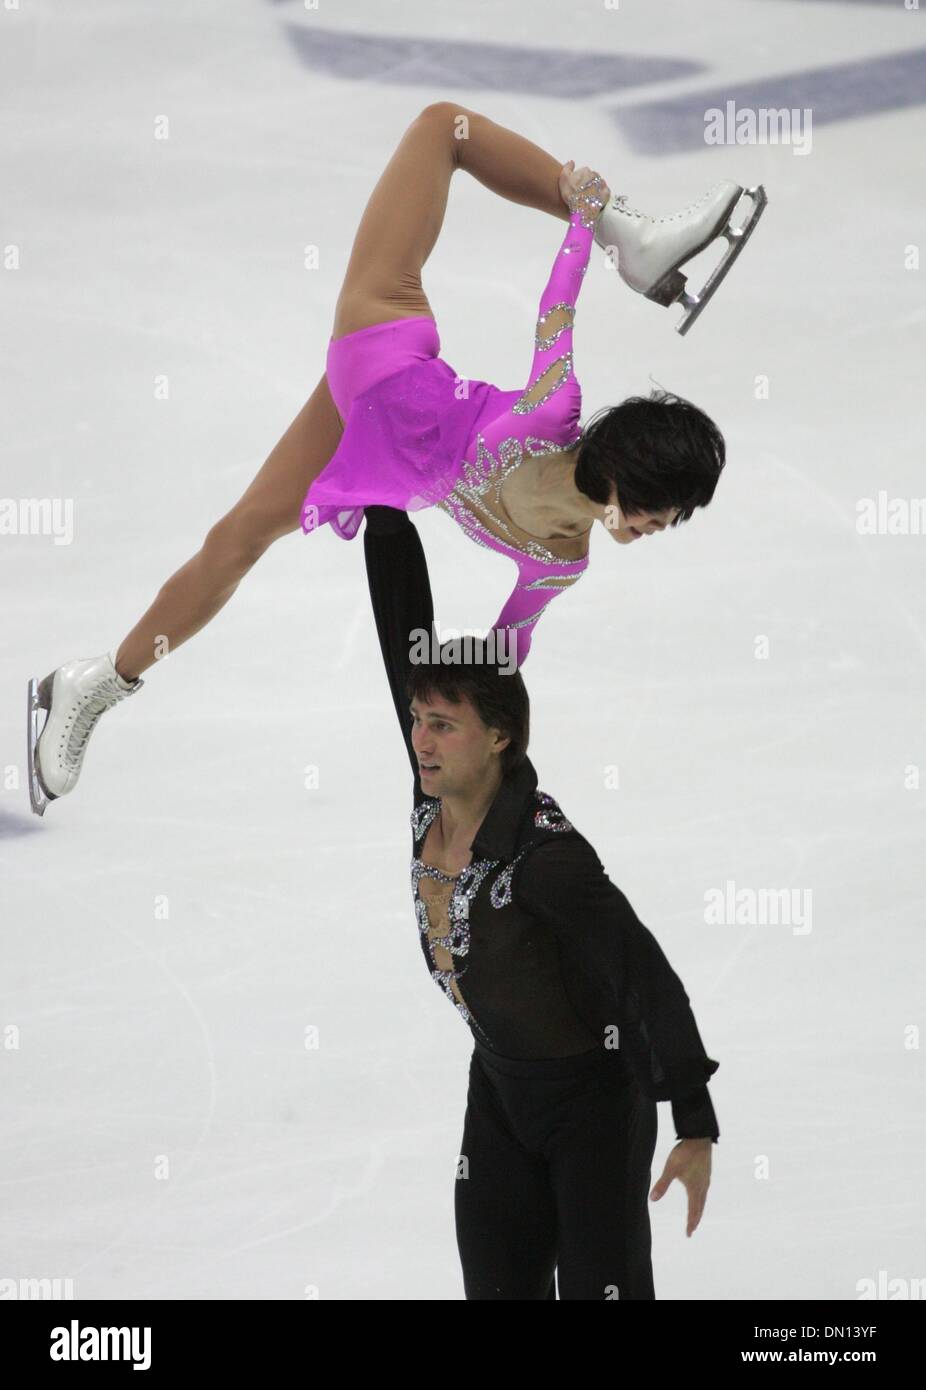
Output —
<point x="690" y="1162"/>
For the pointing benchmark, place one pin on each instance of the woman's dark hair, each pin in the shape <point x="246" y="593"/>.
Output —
<point x="498" y="693"/>
<point x="659" y="452"/>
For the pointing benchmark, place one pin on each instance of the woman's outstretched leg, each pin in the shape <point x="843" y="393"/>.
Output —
<point x="78" y="693"/>
<point x="270" y="508"/>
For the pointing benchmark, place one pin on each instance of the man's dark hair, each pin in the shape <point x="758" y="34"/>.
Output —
<point x="498" y="694"/>
<point x="660" y="452"/>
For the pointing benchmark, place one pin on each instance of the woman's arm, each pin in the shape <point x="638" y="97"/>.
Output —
<point x="552" y="361"/>
<point x="585" y="194"/>
<point x="547" y="412"/>
<point x="551" y="385"/>
<point x="400" y="592"/>
<point x="527" y="603"/>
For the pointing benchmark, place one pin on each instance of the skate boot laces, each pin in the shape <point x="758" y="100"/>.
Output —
<point x="620" y="204"/>
<point x="89" y="708"/>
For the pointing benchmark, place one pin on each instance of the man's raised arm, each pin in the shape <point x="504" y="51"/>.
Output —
<point x="400" y="592"/>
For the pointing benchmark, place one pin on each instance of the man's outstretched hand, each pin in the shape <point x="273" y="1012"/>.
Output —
<point x="690" y="1162"/>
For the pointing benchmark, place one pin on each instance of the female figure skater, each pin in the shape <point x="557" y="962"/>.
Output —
<point x="391" y="423"/>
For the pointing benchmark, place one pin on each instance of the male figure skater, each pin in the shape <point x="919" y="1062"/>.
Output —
<point x="580" y="1025"/>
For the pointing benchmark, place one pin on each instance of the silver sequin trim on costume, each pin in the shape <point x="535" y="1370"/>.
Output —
<point x="466" y="885"/>
<point x="587" y="201"/>
<point x="524" y="622"/>
<point x="549" y="816"/>
<point x="541" y="340"/>
<point x="550" y="581"/>
<point x="524" y="406"/>
<point x="422" y="816"/>
<point x="487" y="476"/>
<point x="500" y="894"/>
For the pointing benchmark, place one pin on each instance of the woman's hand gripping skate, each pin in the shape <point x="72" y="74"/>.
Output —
<point x="583" y="188"/>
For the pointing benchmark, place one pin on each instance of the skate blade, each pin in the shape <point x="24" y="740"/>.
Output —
<point x="39" y="699"/>
<point x="737" y="237"/>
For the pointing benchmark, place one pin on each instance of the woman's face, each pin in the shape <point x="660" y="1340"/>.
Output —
<point x="628" y="527"/>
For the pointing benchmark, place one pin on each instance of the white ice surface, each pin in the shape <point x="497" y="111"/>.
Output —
<point x="128" y="1038"/>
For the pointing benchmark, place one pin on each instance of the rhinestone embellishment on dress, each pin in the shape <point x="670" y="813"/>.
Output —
<point x="549" y="816"/>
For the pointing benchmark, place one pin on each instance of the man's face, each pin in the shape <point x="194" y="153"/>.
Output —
<point x="626" y="527"/>
<point x="455" y="750"/>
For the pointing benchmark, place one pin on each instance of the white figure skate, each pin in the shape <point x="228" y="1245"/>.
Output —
<point x="651" y="249"/>
<point x="75" y="696"/>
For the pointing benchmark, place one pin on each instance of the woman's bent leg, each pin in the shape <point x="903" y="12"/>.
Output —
<point x="405" y="211"/>
<point x="269" y="508"/>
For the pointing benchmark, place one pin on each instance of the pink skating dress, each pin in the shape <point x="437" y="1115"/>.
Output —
<point x="417" y="435"/>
